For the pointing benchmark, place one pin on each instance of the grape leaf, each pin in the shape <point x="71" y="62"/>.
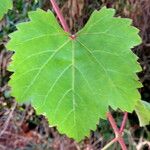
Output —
<point x="4" y="6"/>
<point x="143" y="111"/>
<point x="73" y="82"/>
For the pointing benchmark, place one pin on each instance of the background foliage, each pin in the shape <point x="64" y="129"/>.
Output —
<point x="26" y="130"/>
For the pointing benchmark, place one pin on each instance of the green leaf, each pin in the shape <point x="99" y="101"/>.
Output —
<point x="73" y="82"/>
<point x="4" y="6"/>
<point x="143" y="111"/>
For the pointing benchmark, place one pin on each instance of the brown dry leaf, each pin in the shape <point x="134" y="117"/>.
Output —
<point x="72" y="11"/>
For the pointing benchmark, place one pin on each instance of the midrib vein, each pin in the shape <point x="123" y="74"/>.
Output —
<point x="73" y="81"/>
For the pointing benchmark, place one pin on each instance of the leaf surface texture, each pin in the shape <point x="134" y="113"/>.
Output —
<point x="73" y="82"/>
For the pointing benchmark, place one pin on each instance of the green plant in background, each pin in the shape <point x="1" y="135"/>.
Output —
<point x="143" y="111"/>
<point x="4" y="6"/>
<point x="73" y="79"/>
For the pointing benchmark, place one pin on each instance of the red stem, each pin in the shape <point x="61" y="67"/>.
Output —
<point x="116" y="131"/>
<point x="123" y="122"/>
<point x="113" y="124"/>
<point x="60" y="16"/>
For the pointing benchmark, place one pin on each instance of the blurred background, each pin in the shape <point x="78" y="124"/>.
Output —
<point x="28" y="131"/>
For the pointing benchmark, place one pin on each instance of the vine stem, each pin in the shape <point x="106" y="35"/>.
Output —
<point x="60" y="16"/>
<point x="109" y="144"/>
<point x="117" y="132"/>
<point x="124" y="122"/>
